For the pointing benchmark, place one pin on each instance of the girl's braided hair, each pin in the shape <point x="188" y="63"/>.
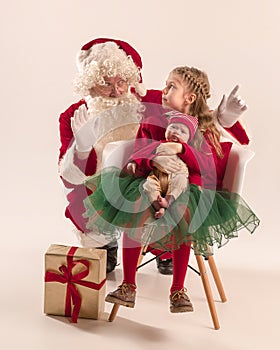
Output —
<point x="198" y="83"/>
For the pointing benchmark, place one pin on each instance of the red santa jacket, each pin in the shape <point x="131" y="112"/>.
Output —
<point x="78" y="193"/>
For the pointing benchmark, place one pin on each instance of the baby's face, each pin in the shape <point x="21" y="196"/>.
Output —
<point x="177" y="132"/>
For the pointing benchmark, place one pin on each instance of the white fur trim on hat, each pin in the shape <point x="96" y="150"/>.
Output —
<point x="140" y="89"/>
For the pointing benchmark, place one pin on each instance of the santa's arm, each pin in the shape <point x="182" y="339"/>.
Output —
<point x="71" y="167"/>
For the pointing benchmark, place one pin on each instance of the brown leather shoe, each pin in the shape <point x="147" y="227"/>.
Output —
<point x="124" y="295"/>
<point x="180" y="302"/>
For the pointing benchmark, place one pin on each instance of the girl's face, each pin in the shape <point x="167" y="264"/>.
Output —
<point x="175" y="95"/>
<point x="177" y="132"/>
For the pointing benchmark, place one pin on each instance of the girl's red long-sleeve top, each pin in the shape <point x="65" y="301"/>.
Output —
<point x="206" y="169"/>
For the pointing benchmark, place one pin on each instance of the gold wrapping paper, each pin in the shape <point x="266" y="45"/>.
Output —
<point x="92" y="301"/>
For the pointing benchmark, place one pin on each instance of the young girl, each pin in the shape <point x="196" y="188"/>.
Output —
<point x="200" y="214"/>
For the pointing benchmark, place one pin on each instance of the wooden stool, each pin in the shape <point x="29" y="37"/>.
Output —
<point x="205" y="281"/>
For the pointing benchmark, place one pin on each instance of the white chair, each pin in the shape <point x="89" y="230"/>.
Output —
<point x="236" y="167"/>
<point x="117" y="154"/>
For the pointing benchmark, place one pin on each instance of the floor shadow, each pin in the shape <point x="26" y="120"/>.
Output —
<point x="117" y="329"/>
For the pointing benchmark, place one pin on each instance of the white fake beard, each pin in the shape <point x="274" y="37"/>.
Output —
<point x="109" y="113"/>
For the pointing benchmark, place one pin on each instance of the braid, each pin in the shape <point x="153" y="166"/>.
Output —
<point x="198" y="83"/>
<point x="197" y="80"/>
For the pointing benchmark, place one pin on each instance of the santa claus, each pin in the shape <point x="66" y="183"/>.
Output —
<point x="111" y="109"/>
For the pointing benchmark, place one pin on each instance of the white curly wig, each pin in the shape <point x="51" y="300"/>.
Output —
<point x="105" y="59"/>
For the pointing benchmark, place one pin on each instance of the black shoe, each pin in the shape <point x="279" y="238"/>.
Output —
<point x="165" y="267"/>
<point x="112" y="257"/>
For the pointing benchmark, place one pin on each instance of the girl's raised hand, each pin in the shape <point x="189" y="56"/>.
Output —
<point x="231" y="108"/>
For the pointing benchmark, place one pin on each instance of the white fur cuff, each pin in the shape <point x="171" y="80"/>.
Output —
<point x="91" y="239"/>
<point x="68" y="170"/>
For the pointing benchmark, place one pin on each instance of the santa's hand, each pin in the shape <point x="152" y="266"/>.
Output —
<point x="167" y="164"/>
<point x="83" y="130"/>
<point x="131" y="167"/>
<point x="231" y="108"/>
<point x="169" y="148"/>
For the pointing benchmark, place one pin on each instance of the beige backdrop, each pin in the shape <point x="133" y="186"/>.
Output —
<point x="233" y="41"/>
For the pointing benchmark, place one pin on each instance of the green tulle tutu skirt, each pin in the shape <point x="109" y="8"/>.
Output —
<point x="201" y="216"/>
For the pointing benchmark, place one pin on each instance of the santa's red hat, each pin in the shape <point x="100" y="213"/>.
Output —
<point x="129" y="50"/>
<point x="89" y="55"/>
<point x="188" y="120"/>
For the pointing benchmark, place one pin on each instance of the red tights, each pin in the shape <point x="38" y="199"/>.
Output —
<point x="131" y="252"/>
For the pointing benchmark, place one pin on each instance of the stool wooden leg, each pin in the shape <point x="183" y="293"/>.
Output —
<point x="208" y="291"/>
<point x="141" y="256"/>
<point x="114" y="312"/>
<point x="217" y="278"/>
<point x="116" y="307"/>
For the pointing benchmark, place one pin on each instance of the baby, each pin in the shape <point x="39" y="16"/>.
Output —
<point x="162" y="188"/>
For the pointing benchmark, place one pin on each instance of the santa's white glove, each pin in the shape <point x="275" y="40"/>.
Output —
<point x="231" y="108"/>
<point x="84" y="129"/>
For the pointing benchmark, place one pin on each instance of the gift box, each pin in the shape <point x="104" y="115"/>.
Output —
<point x="75" y="281"/>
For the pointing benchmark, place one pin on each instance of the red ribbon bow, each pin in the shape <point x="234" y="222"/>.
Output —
<point x="66" y="276"/>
